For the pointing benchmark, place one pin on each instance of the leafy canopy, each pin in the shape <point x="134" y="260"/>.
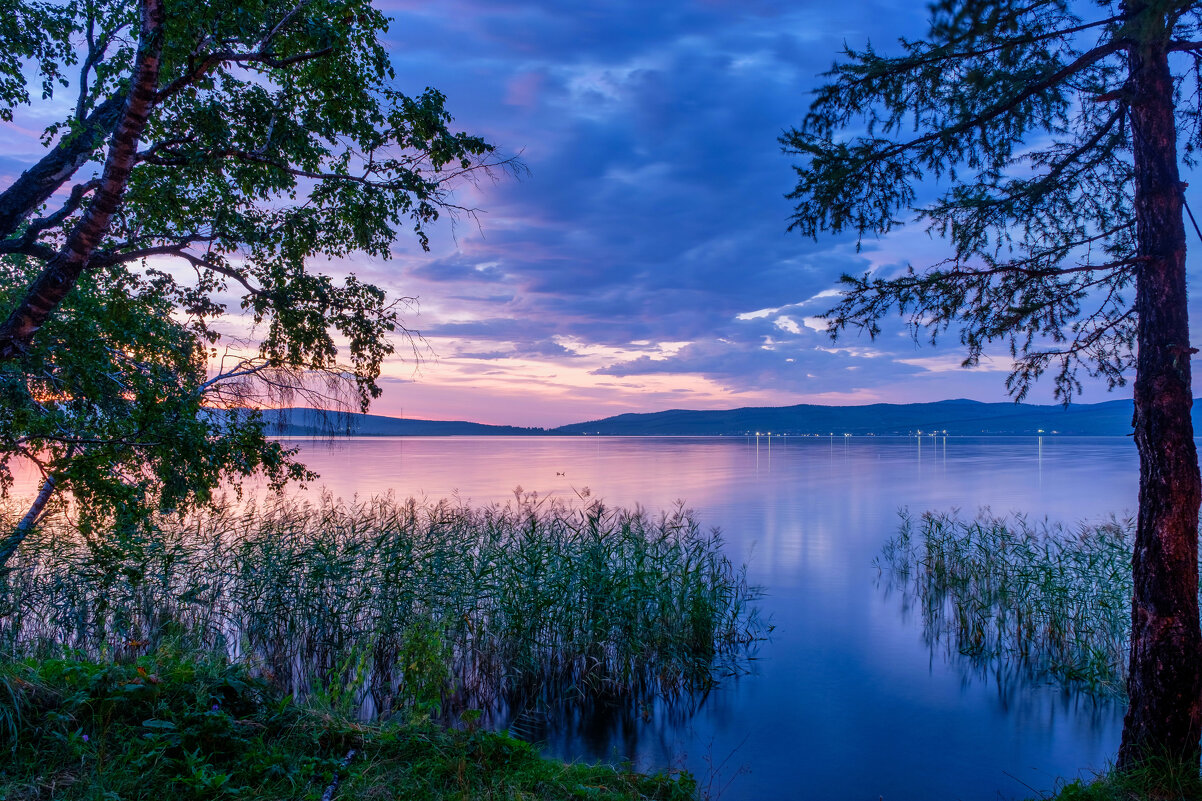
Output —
<point x="273" y="133"/>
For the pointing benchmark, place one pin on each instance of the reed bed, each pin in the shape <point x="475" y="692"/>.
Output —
<point x="1049" y="599"/>
<point x="380" y="606"/>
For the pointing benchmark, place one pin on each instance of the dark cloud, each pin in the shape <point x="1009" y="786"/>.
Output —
<point x="457" y="267"/>
<point x="501" y="329"/>
<point x="654" y="209"/>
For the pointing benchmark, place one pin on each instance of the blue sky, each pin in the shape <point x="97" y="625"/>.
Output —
<point x="643" y="263"/>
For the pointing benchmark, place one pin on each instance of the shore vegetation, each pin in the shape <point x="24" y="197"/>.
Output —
<point x="175" y="724"/>
<point x="379" y="607"/>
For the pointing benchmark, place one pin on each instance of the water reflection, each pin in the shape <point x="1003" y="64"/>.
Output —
<point x="847" y="693"/>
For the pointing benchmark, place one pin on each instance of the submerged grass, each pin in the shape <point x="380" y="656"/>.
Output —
<point x="1050" y="599"/>
<point x="169" y="725"/>
<point x="378" y="606"/>
<point x="1040" y="598"/>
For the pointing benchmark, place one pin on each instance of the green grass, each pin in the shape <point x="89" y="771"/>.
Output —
<point x="380" y="606"/>
<point x="1158" y="780"/>
<point x="173" y="725"/>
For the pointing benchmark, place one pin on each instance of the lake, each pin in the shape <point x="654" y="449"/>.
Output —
<point x="846" y="699"/>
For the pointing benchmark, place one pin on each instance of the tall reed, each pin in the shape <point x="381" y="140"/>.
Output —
<point x="380" y="605"/>
<point x="1050" y="599"/>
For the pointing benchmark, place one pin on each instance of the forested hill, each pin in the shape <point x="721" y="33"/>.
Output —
<point x="301" y="422"/>
<point x="956" y="417"/>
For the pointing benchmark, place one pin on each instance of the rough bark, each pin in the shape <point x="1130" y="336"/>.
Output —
<point x="61" y="273"/>
<point x="39" y="182"/>
<point x="9" y="545"/>
<point x="1164" y="718"/>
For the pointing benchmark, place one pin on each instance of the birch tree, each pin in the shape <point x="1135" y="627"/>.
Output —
<point x="205" y="155"/>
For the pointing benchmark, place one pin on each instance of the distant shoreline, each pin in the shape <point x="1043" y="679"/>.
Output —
<point x="955" y="418"/>
<point x="556" y="435"/>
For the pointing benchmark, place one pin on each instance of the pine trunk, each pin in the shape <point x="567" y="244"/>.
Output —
<point x="1164" y="718"/>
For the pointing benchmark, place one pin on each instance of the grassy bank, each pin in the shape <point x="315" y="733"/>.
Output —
<point x="169" y="725"/>
<point x="246" y="651"/>
<point x="1158" y="782"/>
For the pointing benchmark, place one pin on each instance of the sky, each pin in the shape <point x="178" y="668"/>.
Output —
<point x="642" y="262"/>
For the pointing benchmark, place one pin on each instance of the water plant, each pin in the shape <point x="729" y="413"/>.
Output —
<point x="380" y="606"/>
<point x="1048" y="599"/>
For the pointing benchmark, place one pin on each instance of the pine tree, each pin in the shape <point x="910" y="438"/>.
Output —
<point x="1053" y="140"/>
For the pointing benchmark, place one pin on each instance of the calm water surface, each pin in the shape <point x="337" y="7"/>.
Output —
<point x="846" y="700"/>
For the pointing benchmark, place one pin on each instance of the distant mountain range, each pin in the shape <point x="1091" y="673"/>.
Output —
<point x="956" y="417"/>
<point x="301" y="422"/>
